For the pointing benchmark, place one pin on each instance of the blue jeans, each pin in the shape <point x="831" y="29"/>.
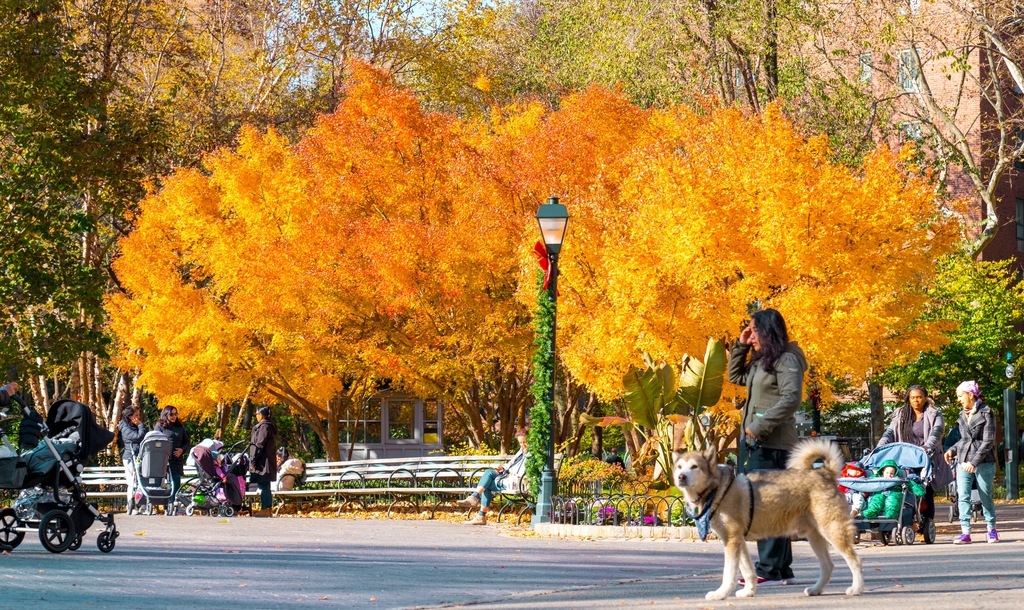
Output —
<point x="488" y="482"/>
<point x="175" y="486"/>
<point x="985" y="474"/>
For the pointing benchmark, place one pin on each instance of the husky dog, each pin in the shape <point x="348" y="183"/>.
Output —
<point x="800" y="500"/>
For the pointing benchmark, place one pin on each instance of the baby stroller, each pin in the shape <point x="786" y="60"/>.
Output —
<point x="221" y="479"/>
<point x="902" y="528"/>
<point x="954" y="500"/>
<point x="53" y="500"/>
<point x="152" y="485"/>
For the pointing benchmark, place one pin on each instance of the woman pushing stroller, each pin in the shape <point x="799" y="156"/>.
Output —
<point x="919" y="423"/>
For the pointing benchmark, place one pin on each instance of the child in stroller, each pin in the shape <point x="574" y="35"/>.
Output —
<point x="897" y="494"/>
<point x="221" y="479"/>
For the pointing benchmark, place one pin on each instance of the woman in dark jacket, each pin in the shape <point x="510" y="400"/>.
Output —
<point x="919" y="423"/>
<point x="976" y="459"/>
<point x="774" y="377"/>
<point x="132" y="430"/>
<point x="263" y="458"/>
<point x="168" y="424"/>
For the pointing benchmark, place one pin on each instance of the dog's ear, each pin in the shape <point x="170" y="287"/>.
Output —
<point x="676" y="454"/>
<point x="711" y="455"/>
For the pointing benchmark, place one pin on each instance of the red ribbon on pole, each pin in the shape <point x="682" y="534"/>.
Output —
<point x="543" y="261"/>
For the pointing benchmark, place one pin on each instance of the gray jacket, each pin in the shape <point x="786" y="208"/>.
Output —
<point x="772" y="398"/>
<point x="977" y="439"/>
<point x="934" y="427"/>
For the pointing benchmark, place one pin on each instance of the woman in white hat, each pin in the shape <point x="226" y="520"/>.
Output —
<point x="976" y="459"/>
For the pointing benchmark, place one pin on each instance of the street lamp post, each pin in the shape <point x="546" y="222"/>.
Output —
<point x="553" y="219"/>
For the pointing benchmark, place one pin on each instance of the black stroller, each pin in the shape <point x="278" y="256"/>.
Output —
<point x="53" y="500"/>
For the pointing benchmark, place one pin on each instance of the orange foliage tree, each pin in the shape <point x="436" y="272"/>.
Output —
<point x="394" y="243"/>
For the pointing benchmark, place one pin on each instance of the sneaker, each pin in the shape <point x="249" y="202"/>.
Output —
<point x="962" y="539"/>
<point x="471" y="501"/>
<point x="993" y="536"/>
<point x="764" y="582"/>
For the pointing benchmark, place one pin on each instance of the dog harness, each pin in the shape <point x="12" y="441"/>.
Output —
<point x="703" y="519"/>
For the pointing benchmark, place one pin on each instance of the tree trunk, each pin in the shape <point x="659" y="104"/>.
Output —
<point x="877" y="412"/>
<point x="597" y="442"/>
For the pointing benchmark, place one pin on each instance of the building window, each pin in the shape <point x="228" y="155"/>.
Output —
<point x="1018" y="136"/>
<point x="907" y="72"/>
<point x="431" y="423"/>
<point x="911" y="130"/>
<point x="401" y="420"/>
<point x="360" y="424"/>
<point x="865" y="68"/>
<point x="1020" y="225"/>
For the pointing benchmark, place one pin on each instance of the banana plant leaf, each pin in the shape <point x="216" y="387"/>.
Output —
<point x="590" y="420"/>
<point x="701" y="383"/>
<point x="644" y="395"/>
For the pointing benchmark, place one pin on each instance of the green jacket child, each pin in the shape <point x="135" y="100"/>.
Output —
<point x="888" y="502"/>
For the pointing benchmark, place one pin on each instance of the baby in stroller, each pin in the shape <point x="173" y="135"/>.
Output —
<point x="893" y="491"/>
<point x="221" y="480"/>
<point x="889" y="501"/>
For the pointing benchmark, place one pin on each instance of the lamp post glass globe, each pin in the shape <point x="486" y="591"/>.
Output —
<point x="553" y="219"/>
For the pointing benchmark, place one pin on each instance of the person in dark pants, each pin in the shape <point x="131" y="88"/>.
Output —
<point x="168" y="424"/>
<point x="6" y="392"/>
<point x="132" y="432"/>
<point x="263" y="459"/>
<point x="774" y="378"/>
<point x="919" y="423"/>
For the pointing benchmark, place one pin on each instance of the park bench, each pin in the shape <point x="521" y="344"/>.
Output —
<point x="433" y="480"/>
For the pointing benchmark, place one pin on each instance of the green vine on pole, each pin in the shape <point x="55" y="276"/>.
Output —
<point x="543" y="365"/>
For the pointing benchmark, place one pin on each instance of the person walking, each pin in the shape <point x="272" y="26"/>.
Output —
<point x="132" y="430"/>
<point x="263" y="458"/>
<point x="169" y="425"/>
<point x="919" y="423"/>
<point x="975" y="459"/>
<point x="774" y="378"/>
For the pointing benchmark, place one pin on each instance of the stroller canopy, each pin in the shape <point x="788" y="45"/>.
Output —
<point x="906" y="455"/>
<point x="67" y="416"/>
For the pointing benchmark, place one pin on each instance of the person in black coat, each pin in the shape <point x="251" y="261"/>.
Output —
<point x="132" y="430"/>
<point x="170" y="425"/>
<point x="263" y="458"/>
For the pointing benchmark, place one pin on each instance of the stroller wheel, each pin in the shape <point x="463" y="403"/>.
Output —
<point x="884" y="537"/>
<point x="9" y="521"/>
<point x="105" y="542"/>
<point x="908" y="535"/>
<point x="190" y="510"/>
<point x="229" y="511"/>
<point x="56" y="531"/>
<point x="953" y="516"/>
<point x="214" y="512"/>
<point x="928" y="531"/>
<point x="76" y="543"/>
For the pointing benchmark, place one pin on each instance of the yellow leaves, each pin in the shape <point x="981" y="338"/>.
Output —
<point x="394" y="242"/>
<point x="482" y="83"/>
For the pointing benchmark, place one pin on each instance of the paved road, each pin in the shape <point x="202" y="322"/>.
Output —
<point x="204" y="562"/>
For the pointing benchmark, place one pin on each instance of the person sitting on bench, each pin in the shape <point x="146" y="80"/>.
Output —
<point x="505" y="478"/>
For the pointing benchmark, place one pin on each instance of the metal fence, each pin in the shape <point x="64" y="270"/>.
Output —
<point x="627" y="504"/>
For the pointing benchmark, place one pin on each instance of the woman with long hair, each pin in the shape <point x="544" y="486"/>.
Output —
<point x="263" y="458"/>
<point x="132" y="430"/>
<point x="919" y="423"/>
<point x="170" y="425"/>
<point x="774" y="378"/>
<point x="975" y="459"/>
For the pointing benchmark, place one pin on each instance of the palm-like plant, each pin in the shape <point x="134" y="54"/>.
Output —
<point x="657" y="400"/>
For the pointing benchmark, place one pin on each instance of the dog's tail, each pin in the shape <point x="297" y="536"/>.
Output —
<point x="807" y="452"/>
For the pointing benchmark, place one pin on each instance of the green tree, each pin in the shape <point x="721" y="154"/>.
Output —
<point x="985" y="307"/>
